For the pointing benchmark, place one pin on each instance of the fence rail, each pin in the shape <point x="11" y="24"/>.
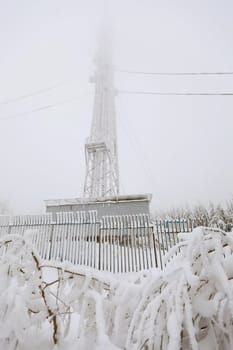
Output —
<point x="118" y="244"/>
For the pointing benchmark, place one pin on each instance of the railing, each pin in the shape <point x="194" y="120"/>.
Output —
<point x="118" y="244"/>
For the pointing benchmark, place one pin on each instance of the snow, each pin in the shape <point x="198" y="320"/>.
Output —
<point x="57" y="306"/>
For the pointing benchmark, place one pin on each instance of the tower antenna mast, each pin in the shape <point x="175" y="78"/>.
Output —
<point x="102" y="174"/>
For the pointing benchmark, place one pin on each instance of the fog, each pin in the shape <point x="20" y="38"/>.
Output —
<point x="179" y="148"/>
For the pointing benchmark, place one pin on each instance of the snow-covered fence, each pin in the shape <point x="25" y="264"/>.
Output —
<point x="126" y="243"/>
<point x="74" y="238"/>
<point x="4" y="225"/>
<point x="71" y="236"/>
<point x="166" y="233"/>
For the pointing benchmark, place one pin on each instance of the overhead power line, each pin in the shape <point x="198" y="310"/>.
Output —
<point x="34" y="93"/>
<point x="55" y="86"/>
<point x="130" y="92"/>
<point x="38" y="109"/>
<point x="171" y="73"/>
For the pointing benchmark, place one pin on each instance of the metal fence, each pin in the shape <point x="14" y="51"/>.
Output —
<point x="118" y="244"/>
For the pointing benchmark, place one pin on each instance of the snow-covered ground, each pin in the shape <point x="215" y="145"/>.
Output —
<point x="49" y="305"/>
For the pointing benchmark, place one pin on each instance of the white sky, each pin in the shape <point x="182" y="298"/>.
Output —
<point x="178" y="148"/>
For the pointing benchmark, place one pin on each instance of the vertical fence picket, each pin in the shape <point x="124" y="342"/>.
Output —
<point x="154" y="245"/>
<point x="94" y="235"/>
<point x="132" y="234"/>
<point x="86" y="223"/>
<point x="149" y="235"/>
<point x="105" y="244"/>
<point x="101" y="243"/>
<point x="76" y="240"/>
<point x="124" y="225"/>
<point x="130" y="240"/>
<point x="71" y="237"/>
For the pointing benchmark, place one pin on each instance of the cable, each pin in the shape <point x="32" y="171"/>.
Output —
<point x="41" y="91"/>
<point x="175" y="93"/>
<point x="171" y="73"/>
<point x="19" y="115"/>
<point x="38" y="92"/>
<point x="137" y="151"/>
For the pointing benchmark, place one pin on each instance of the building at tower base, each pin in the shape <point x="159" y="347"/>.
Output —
<point x="105" y="206"/>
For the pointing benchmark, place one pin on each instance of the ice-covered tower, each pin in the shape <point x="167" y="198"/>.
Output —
<point x="102" y="177"/>
<point x="101" y="189"/>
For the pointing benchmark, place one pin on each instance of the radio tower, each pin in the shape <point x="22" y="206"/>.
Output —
<point x="102" y="177"/>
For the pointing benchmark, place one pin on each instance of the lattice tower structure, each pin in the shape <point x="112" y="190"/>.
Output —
<point x="102" y="172"/>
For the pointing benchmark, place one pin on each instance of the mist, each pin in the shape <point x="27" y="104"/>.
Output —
<point x="179" y="148"/>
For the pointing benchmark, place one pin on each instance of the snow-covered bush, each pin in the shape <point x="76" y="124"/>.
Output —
<point x="188" y="305"/>
<point x="45" y="305"/>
